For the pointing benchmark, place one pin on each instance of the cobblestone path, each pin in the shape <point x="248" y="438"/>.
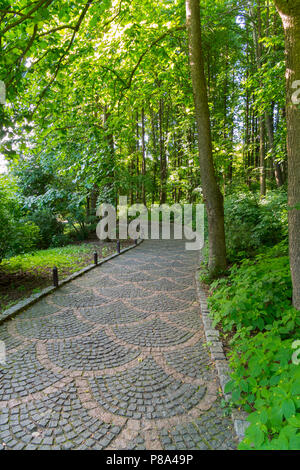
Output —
<point x="114" y="360"/>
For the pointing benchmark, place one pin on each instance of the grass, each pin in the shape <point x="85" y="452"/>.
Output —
<point x="26" y="274"/>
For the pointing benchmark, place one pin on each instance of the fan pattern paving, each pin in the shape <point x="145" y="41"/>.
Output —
<point x="114" y="360"/>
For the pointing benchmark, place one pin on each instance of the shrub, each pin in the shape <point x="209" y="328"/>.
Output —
<point x="17" y="235"/>
<point x="267" y="385"/>
<point x="251" y="222"/>
<point x="24" y="237"/>
<point x="60" y="240"/>
<point x="48" y="224"/>
<point x="256" y="292"/>
<point x="253" y="306"/>
<point x="5" y="224"/>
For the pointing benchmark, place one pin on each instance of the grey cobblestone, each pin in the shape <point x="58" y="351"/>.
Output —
<point x="115" y="359"/>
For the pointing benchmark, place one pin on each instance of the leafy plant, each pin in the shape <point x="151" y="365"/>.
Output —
<point x="252" y="222"/>
<point x="17" y="234"/>
<point x="48" y="224"/>
<point x="253" y="304"/>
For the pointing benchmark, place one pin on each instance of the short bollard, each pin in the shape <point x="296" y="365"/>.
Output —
<point x="118" y="246"/>
<point x="55" y="277"/>
<point x="96" y="258"/>
<point x="135" y="241"/>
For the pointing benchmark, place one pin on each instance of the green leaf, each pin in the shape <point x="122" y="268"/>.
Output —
<point x="295" y="389"/>
<point x="294" y="442"/>
<point x="256" y="435"/>
<point x="244" y="386"/>
<point x="229" y="386"/>
<point x="294" y="421"/>
<point x="288" y="408"/>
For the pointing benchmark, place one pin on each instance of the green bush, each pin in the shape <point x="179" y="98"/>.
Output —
<point x="253" y="308"/>
<point x="256" y="293"/>
<point x="251" y="222"/>
<point x="5" y="226"/>
<point x="48" y="224"/>
<point x="267" y="384"/>
<point x="17" y="235"/>
<point x="60" y="240"/>
<point x="24" y="237"/>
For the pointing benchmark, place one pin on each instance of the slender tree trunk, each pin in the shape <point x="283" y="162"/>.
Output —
<point x="137" y="158"/>
<point x="111" y="151"/>
<point x="269" y="116"/>
<point x="132" y="148"/>
<point x="93" y="200"/>
<point x="246" y="151"/>
<point x="290" y="15"/>
<point x="178" y="163"/>
<point x="155" y="153"/>
<point x="131" y="182"/>
<point x="270" y="131"/>
<point x="143" y="158"/>
<point x="262" y="161"/>
<point x="211" y="192"/>
<point x="162" y="154"/>
<point x="225" y="129"/>
<point x="262" y="165"/>
<point x="87" y="206"/>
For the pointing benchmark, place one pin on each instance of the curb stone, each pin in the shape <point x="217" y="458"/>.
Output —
<point x="215" y="345"/>
<point x="26" y="303"/>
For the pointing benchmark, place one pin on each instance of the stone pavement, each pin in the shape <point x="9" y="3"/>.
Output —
<point x="114" y="360"/>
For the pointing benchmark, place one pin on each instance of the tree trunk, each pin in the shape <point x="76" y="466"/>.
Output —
<point x="246" y="150"/>
<point x="162" y="155"/>
<point x="111" y="154"/>
<point x="155" y="152"/>
<point x="262" y="165"/>
<point x="93" y="200"/>
<point x="137" y="158"/>
<point x="290" y="15"/>
<point x="259" y="50"/>
<point x="143" y="158"/>
<point x="270" y="131"/>
<point x="212" y="195"/>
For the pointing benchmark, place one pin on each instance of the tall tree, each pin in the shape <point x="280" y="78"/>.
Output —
<point x="163" y="157"/>
<point x="290" y="15"/>
<point x="143" y="158"/>
<point x="212" y="195"/>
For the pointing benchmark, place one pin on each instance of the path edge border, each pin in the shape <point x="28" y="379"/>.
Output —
<point x="215" y="346"/>
<point x="26" y="303"/>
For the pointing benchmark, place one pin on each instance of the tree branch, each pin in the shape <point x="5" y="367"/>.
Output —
<point x="154" y="43"/>
<point x="41" y="3"/>
<point x="76" y="29"/>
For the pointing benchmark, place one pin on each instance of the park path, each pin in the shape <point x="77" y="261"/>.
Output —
<point x="116" y="359"/>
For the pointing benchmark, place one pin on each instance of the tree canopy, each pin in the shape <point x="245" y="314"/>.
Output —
<point x="100" y="103"/>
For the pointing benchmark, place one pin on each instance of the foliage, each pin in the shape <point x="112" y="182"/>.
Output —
<point x="71" y="257"/>
<point x="17" y="235"/>
<point x="255" y="294"/>
<point x="60" y="240"/>
<point x="23" y="237"/>
<point x="253" y="306"/>
<point x="48" y="224"/>
<point x="267" y="385"/>
<point x="100" y="104"/>
<point x="251" y="222"/>
<point x="6" y="223"/>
